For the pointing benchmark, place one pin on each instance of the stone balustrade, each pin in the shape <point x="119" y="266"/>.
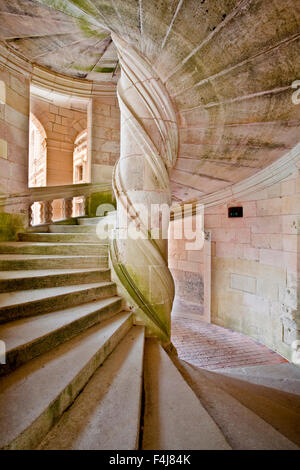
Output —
<point x="41" y="203"/>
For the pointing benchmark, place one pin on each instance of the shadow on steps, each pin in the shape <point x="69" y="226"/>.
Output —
<point x="252" y="417"/>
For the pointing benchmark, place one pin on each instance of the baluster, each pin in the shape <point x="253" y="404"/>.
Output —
<point x="41" y="212"/>
<point x="30" y="215"/>
<point x="82" y="208"/>
<point x="47" y="212"/>
<point x="68" y="207"/>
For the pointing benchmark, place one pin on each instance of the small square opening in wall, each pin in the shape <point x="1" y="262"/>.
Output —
<point x="234" y="212"/>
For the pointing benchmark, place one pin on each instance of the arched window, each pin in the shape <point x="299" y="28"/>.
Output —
<point x="80" y="157"/>
<point x="37" y="153"/>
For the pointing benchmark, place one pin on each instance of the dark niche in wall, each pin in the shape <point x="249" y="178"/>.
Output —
<point x="235" y="212"/>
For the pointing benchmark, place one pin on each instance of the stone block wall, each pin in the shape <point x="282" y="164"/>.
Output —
<point x="187" y="268"/>
<point x="62" y="125"/>
<point x="104" y="132"/>
<point x="191" y="270"/>
<point x="254" y="266"/>
<point x="14" y="128"/>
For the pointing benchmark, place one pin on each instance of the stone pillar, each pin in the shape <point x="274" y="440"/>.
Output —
<point x="103" y="137"/>
<point x="68" y="208"/>
<point x="149" y="143"/>
<point x="47" y="212"/>
<point x="14" y="125"/>
<point x="31" y="215"/>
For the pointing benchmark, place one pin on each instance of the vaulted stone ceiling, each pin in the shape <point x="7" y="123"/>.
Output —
<point x="228" y="66"/>
<point x="63" y="43"/>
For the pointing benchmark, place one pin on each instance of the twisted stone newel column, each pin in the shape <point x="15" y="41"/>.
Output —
<point x="149" y="144"/>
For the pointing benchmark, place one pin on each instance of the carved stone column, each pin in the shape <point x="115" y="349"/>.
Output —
<point x="68" y="208"/>
<point x="30" y="215"/>
<point x="149" y="143"/>
<point x="47" y="211"/>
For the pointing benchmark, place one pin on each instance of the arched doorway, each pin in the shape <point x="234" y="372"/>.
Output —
<point x="37" y="162"/>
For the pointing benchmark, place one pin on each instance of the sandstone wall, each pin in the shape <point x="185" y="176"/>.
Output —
<point x="104" y="134"/>
<point x="254" y="266"/>
<point x="14" y="128"/>
<point x="188" y="269"/>
<point x="62" y="125"/>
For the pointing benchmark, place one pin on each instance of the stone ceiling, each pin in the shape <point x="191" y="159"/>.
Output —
<point x="63" y="43"/>
<point x="228" y="66"/>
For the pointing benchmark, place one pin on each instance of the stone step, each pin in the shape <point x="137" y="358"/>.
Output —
<point x="38" y="279"/>
<point x="30" y="337"/>
<point x="244" y="430"/>
<point x="22" y="262"/>
<point x="174" y="418"/>
<point x="72" y="228"/>
<point x="61" y="238"/>
<point x="34" y="396"/>
<point x="106" y="415"/>
<point x="89" y="220"/>
<point x="27" y="248"/>
<point x="285" y="385"/>
<point x="27" y="303"/>
<point x="280" y="409"/>
<point x="275" y="371"/>
<point x="284" y="377"/>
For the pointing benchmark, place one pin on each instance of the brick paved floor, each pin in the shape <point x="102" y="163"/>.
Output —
<point x="213" y="347"/>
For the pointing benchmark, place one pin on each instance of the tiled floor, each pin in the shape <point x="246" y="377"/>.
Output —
<point x="213" y="347"/>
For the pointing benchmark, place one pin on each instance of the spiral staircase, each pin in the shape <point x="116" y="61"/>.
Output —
<point x="80" y="373"/>
<point x="84" y="370"/>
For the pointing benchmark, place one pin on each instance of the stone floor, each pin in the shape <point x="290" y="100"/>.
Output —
<point x="213" y="347"/>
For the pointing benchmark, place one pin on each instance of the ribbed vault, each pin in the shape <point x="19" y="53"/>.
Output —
<point x="228" y="67"/>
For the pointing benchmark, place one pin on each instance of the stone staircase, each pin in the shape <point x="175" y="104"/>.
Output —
<point x="79" y="373"/>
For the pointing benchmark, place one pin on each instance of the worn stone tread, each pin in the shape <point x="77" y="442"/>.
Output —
<point x="33" y="397"/>
<point x="43" y="248"/>
<point x="174" y="418"/>
<point x="16" y="299"/>
<point x="48" y="237"/>
<point x="26" y="303"/>
<point x="29" y="337"/>
<point x="243" y="429"/>
<point x="106" y="415"/>
<point x="12" y="262"/>
<point x="278" y="408"/>
<point x="72" y="228"/>
<point x="5" y="275"/>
